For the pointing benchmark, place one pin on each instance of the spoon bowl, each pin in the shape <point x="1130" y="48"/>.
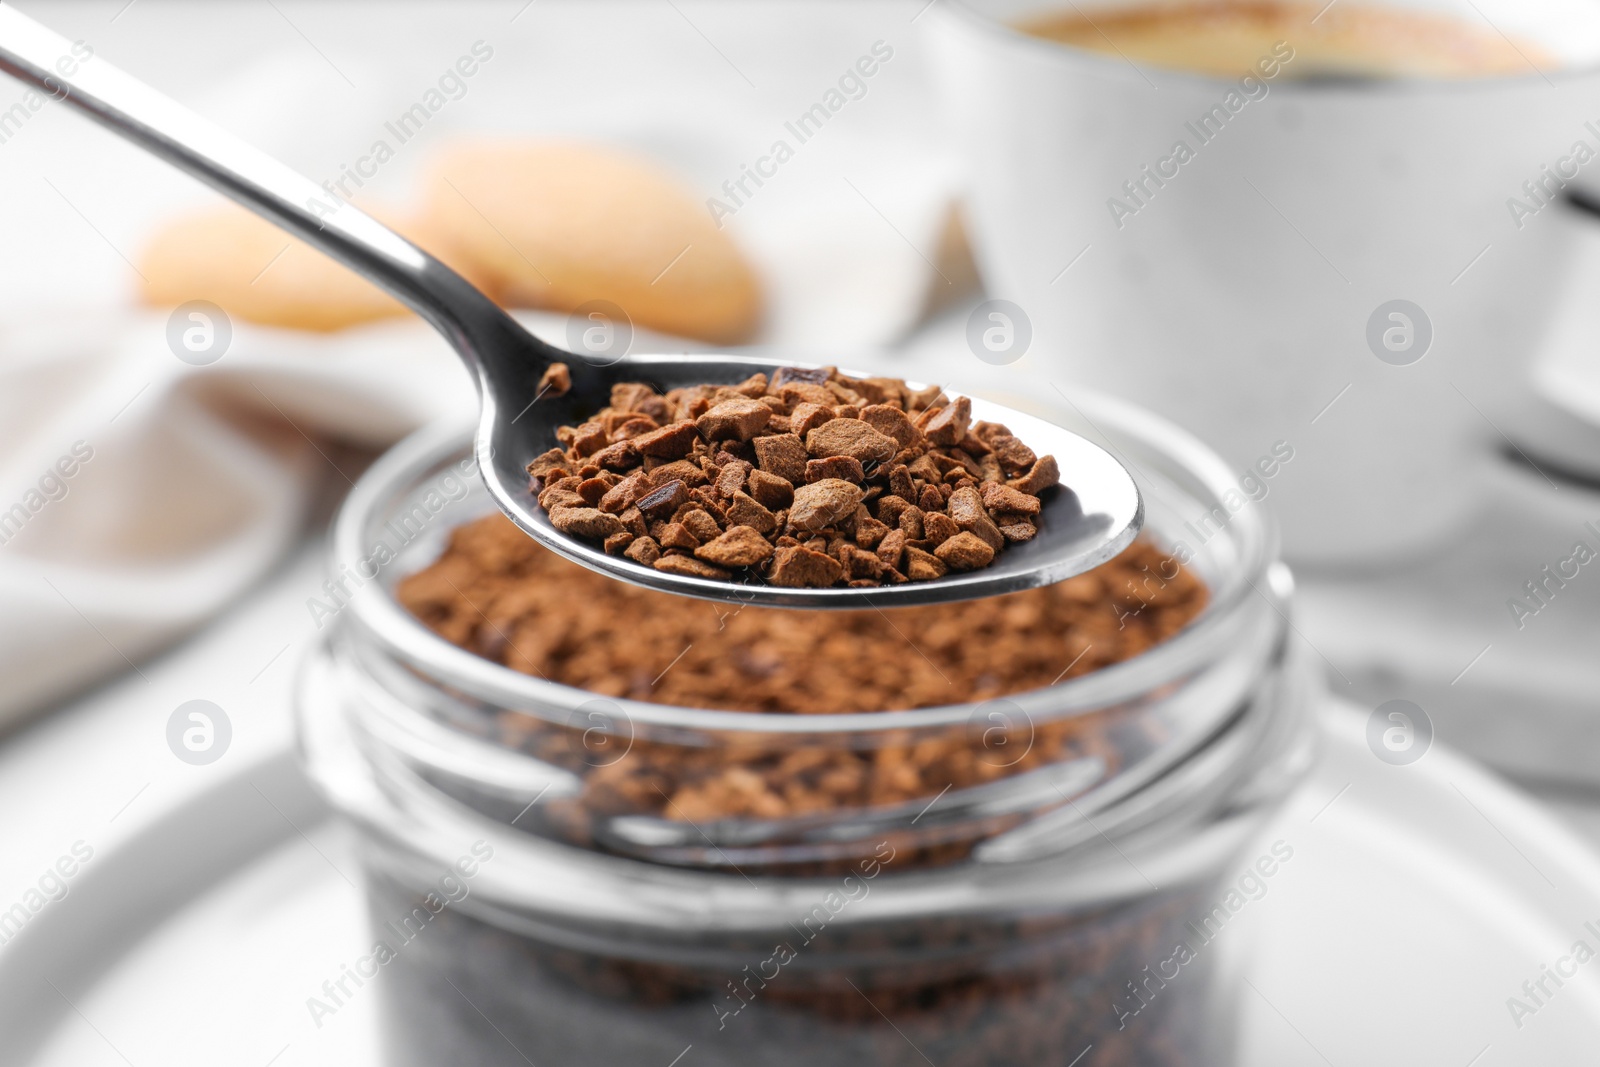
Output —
<point x="1088" y="519"/>
<point x="1095" y="514"/>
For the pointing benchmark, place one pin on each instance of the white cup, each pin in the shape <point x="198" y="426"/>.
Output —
<point x="1248" y="291"/>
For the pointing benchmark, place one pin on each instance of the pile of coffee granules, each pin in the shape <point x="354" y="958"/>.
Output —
<point x="991" y="988"/>
<point x="496" y="592"/>
<point x="810" y="480"/>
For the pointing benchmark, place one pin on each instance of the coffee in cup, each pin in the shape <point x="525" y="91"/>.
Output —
<point x="1340" y="40"/>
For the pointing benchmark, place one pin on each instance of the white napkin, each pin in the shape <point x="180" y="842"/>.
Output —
<point x="186" y="484"/>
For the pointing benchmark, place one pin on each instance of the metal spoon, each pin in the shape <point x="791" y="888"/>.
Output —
<point x="1086" y="521"/>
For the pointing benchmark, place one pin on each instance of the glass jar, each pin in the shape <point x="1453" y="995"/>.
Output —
<point x="1056" y="894"/>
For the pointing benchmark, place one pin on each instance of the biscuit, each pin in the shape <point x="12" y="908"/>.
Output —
<point x="258" y="273"/>
<point x="558" y="224"/>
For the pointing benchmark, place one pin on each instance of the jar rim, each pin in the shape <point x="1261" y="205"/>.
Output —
<point x="404" y="636"/>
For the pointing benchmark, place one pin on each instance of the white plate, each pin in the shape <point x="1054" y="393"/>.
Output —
<point x="1418" y="899"/>
<point x="1414" y="905"/>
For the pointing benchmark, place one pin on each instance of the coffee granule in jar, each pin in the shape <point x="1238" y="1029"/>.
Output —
<point x="800" y="481"/>
<point x="497" y="593"/>
<point x="968" y="990"/>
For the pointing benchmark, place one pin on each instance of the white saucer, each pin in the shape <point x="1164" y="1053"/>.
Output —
<point x="1417" y="900"/>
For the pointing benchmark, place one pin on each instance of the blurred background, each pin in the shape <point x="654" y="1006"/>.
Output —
<point x="164" y="502"/>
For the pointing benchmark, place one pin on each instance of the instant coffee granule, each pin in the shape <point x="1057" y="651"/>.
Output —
<point x="496" y="592"/>
<point x="811" y="479"/>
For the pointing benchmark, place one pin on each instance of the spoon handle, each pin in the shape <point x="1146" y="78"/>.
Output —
<point x="162" y="126"/>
